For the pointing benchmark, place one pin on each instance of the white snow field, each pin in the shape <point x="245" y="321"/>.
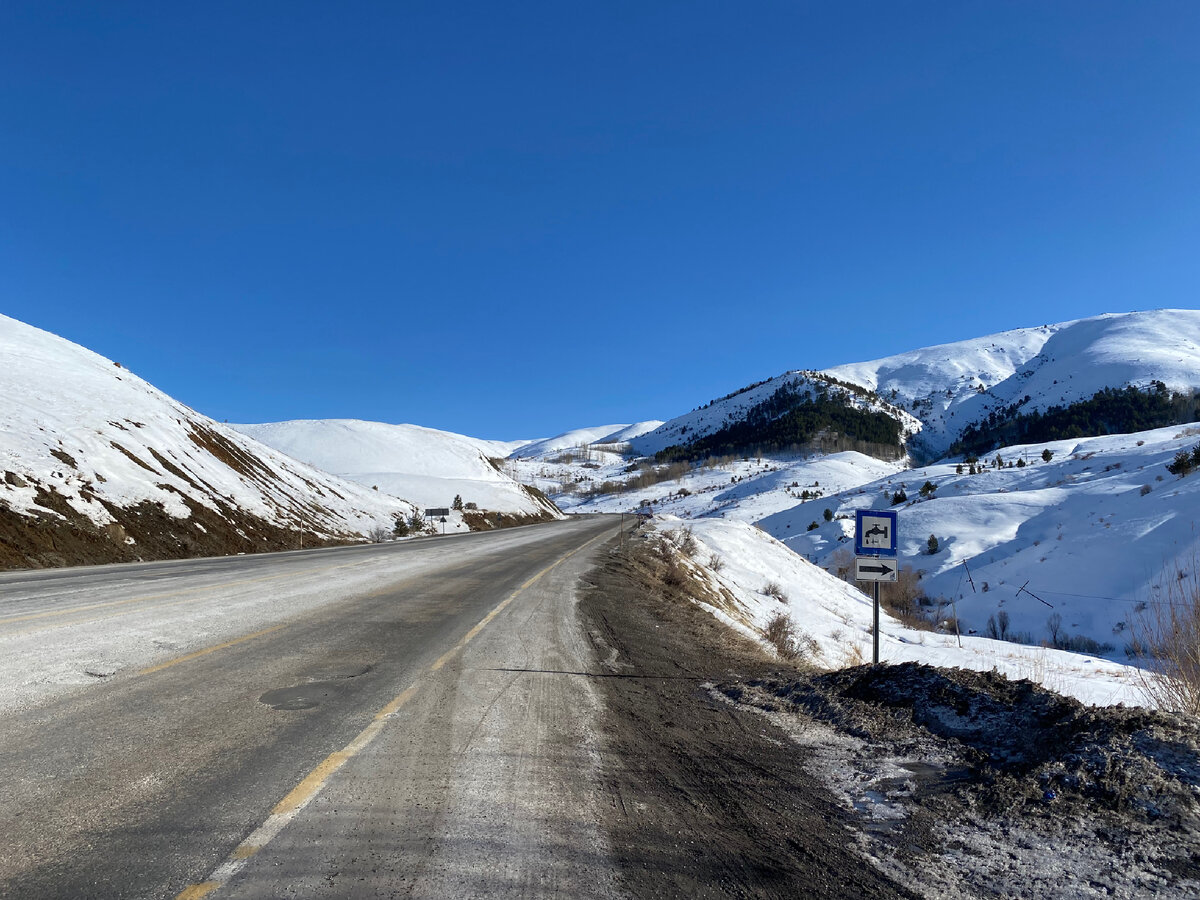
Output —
<point x="92" y="431"/>
<point x="1099" y="533"/>
<point x="583" y="437"/>
<point x="426" y="466"/>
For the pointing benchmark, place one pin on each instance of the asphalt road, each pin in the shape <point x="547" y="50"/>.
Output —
<point x="399" y="720"/>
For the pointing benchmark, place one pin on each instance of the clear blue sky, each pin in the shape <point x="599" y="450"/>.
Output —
<point x="510" y="219"/>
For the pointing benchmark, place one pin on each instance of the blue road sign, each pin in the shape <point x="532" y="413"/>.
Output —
<point x="875" y="532"/>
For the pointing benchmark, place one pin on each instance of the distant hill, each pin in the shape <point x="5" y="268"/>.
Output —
<point x="96" y="465"/>
<point x="604" y="435"/>
<point x="426" y="466"/>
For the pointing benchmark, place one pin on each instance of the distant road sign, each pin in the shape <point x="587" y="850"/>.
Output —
<point x="437" y="512"/>
<point x="871" y="568"/>
<point x="875" y="532"/>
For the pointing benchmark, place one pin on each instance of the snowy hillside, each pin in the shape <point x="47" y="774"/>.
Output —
<point x="834" y="619"/>
<point x="580" y="437"/>
<point x="108" y="467"/>
<point x="952" y="385"/>
<point x="726" y="412"/>
<point x="1095" y="535"/>
<point x="426" y="466"/>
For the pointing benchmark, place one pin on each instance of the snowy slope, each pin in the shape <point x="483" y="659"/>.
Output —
<point x="426" y="466"/>
<point x="597" y="434"/>
<point x="1051" y="364"/>
<point x="837" y="618"/>
<point x="84" y="430"/>
<point x="715" y="415"/>
<point x="1096" y="533"/>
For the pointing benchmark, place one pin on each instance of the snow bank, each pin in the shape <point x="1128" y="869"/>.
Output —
<point x="837" y="617"/>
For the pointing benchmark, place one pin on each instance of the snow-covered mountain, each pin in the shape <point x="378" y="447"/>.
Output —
<point x="950" y="386"/>
<point x="426" y="466"/>
<point x="98" y="465"/>
<point x="729" y="411"/>
<point x="604" y="435"/>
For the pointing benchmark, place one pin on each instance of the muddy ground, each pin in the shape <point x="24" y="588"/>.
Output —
<point x="744" y="776"/>
<point x="709" y="799"/>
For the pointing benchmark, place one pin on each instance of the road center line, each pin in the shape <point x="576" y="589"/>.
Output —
<point x="314" y="782"/>
<point x="149" y="670"/>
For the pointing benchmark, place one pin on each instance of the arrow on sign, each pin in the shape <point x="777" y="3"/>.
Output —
<point x="879" y="569"/>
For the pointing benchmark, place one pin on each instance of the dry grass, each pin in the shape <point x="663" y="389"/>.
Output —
<point x="773" y="589"/>
<point x="781" y="634"/>
<point x="1168" y="633"/>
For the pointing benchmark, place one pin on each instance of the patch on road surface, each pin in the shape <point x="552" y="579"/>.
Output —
<point x="312" y="693"/>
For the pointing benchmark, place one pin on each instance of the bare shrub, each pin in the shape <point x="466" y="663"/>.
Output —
<point x="686" y="542"/>
<point x="378" y="534"/>
<point x="781" y="633"/>
<point x="716" y="563"/>
<point x="775" y="590"/>
<point x="673" y="574"/>
<point x="905" y="599"/>
<point x="1168" y="632"/>
<point x="841" y="564"/>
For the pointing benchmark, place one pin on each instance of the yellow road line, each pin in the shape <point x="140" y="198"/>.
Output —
<point x="196" y="891"/>
<point x="314" y="782"/>
<point x="150" y="670"/>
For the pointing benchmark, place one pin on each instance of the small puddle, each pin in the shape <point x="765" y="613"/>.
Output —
<point x="302" y="696"/>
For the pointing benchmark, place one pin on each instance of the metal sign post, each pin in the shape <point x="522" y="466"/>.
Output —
<point x="875" y="630"/>
<point x="875" y="549"/>
<point x="438" y="513"/>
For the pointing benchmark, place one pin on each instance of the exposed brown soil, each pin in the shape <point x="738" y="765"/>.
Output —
<point x="480" y="520"/>
<point x="49" y="541"/>
<point x="710" y="799"/>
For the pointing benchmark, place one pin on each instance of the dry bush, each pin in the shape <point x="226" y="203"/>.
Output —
<point x="673" y="574"/>
<point x="773" y="589"/>
<point x="904" y="597"/>
<point x="1168" y="633"/>
<point x="686" y="542"/>
<point x="789" y="642"/>
<point x="716" y="563"/>
<point x="841" y="564"/>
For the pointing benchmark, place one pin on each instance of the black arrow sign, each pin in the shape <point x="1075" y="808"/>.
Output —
<point x="881" y="569"/>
